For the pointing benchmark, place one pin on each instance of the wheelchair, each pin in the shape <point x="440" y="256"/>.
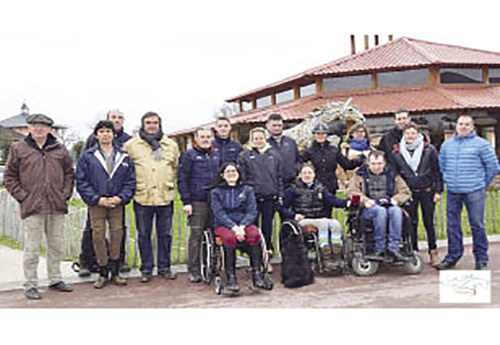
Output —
<point x="359" y="246"/>
<point x="310" y="238"/>
<point x="212" y="262"/>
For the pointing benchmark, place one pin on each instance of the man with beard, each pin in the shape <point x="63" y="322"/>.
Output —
<point x="155" y="157"/>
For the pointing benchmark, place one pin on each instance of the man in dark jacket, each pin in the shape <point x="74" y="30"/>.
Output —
<point x="106" y="182"/>
<point x="228" y="149"/>
<point x="393" y="137"/>
<point x="87" y="259"/>
<point x="325" y="158"/>
<point x="198" y="171"/>
<point x="417" y="162"/>
<point x="382" y="192"/>
<point x="286" y="147"/>
<point x="40" y="176"/>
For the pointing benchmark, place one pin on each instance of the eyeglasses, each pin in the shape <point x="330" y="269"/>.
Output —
<point x="230" y="171"/>
<point x="151" y="122"/>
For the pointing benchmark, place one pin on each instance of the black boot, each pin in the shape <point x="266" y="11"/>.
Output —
<point x="102" y="280"/>
<point x="230" y="266"/>
<point x="260" y="279"/>
<point x="115" y="276"/>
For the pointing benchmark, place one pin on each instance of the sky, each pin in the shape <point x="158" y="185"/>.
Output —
<point x="74" y="61"/>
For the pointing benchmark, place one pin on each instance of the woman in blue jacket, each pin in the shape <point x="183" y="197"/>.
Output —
<point x="105" y="179"/>
<point x="234" y="209"/>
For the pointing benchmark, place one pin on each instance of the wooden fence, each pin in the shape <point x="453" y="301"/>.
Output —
<point x="11" y="226"/>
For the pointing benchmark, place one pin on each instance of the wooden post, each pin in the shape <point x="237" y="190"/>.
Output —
<point x="296" y="92"/>
<point x="390" y="38"/>
<point x="273" y="98"/>
<point x="486" y="75"/>
<point x="433" y="76"/>
<point x="374" y="80"/>
<point x="240" y="105"/>
<point x="376" y="40"/>
<point x="367" y="42"/>
<point x="319" y="86"/>
<point x="353" y="45"/>
<point x="254" y="103"/>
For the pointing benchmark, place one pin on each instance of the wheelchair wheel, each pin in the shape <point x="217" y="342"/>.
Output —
<point x="414" y="265"/>
<point x="364" y="268"/>
<point x="218" y="285"/>
<point x="207" y="260"/>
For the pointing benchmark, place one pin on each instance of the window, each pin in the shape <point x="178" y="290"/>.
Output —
<point x="307" y="90"/>
<point x="352" y="82"/>
<point x="246" y="106"/>
<point x="263" y="101"/>
<point x="403" y="78"/>
<point x="284" y="96"/>
<point x="494" y="76"/>
<point x="461" y="75"/>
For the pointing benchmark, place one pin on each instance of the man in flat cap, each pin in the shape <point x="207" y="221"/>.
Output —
<point x="40" y="176"/>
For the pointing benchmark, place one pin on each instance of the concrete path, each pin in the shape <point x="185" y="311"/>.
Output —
<point x="12" y="278"/>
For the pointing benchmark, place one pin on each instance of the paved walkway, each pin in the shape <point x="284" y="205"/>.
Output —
<point x="12" y="278"/>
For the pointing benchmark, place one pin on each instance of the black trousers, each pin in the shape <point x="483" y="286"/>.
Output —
<point x="87" y="257"/>
<point x="426" y="202"/>
<point x="266" y="209"/>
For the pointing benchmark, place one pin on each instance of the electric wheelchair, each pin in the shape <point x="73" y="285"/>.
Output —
<point x="359" y="246"/>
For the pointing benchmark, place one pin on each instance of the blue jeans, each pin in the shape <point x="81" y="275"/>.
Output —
<point x="144" y="223"/>
<point x="474" y="203"/>
<point x="379" y="215"/>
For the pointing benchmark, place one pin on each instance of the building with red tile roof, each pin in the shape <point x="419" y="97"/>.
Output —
<point x="435" y="82"/>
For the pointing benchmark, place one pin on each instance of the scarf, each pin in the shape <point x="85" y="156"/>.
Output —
<point x="359" y="144"/>
<point x="154" y="141"/>
<point x="417" y="147"/>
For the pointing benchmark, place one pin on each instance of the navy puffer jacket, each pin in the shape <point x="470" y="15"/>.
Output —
<point x="228" y="149"/>
<point x="233" y="205"/>
<point x="198" y="169"/>
<point x="93" y="180"/>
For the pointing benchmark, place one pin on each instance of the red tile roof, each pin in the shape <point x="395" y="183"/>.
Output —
<point x="401" y="53"/>
<point x="382" y="101"/>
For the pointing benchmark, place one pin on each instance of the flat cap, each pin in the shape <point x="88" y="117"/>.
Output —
<point x="39" y="118"/>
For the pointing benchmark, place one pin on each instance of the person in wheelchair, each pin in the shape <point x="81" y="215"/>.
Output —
<point x="234" y="209"/>
<point x="305" y="202"/>
<point x="381" y="191"/>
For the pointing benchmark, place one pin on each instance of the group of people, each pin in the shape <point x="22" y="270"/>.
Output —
<point x="237" y="192"/>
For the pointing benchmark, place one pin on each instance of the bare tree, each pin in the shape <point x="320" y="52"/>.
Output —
<point x="227" y="110"/>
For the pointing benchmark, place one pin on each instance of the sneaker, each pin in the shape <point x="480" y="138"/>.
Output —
<point x="61" y="286"/>
<point x="481" y="266"/>
<point x="32" y="293"/>
<point x="124" y="268"/>
<point x="145" y="277"/>
<point x="167" y="274"/>
<point x="444" y="265"/>
<point x="84" y="272"/>
<point x="434" y="259"/>
<point x="194" y="277"/>
<point x="117" y="280"/>
<point x="100" y="282"/>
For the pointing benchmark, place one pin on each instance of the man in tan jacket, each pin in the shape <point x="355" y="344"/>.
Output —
<point x="381" y="193"/>
<point x="156" y="158"/>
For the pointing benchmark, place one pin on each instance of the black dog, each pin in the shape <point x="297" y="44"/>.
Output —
<point x="295" y="268"/>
